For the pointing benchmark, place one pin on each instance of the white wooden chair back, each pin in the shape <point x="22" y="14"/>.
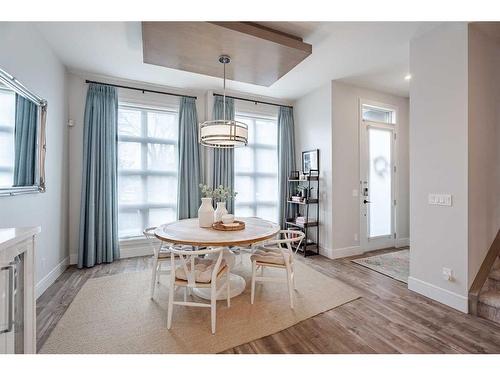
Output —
<point x="287" y="237"/>
<point x="188" y="257"/>
<point x="154" y="243"/>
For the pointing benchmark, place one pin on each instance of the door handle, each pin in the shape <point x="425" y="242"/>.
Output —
<point x="11" y="269"/>
<point x="365" y="201"/>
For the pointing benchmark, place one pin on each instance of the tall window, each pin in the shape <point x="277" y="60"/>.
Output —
<point x="256" y="169"/>
<point x="7" y="121"/>
<point x="147" y="167"/>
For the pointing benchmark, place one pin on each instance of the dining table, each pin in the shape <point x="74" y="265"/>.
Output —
<point x="188" y="232"/>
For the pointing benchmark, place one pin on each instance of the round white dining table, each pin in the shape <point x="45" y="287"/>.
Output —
<point x="188" y="232"/>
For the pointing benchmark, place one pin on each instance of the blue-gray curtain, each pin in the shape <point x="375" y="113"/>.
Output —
<point x="286" y="157"/>
<point x="25" y="142"/>
<point x="99" y="200"/>
<point x="188" y="191"/>
<point x="223" y="172"/>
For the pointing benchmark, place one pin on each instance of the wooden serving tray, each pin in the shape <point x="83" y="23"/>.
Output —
<point x="219" y="226"/>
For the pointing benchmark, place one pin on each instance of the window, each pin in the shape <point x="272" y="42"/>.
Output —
<point x="377" y="114"/>
<point x="7" y="121"/>
<point x="256" y="169"/>
<point x="147" y="168"/>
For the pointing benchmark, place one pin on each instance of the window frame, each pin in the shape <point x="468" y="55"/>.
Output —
<point x="144" y="140"/>
<point x="255" y="175"/>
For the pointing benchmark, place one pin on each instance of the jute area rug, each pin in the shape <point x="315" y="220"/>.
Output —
<point x="114" y="314"/>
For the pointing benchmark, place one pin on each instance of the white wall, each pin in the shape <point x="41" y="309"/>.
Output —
<point x="439" y="163"/>
<point x="328" y="119"/>
<point x="313" y="130"/>
<point x="28" y="57"/>
<point x="483" y="137"/>
<point x="346" y="165"/>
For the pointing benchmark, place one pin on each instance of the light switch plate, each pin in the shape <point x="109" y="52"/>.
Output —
<point x="440" y="199"/>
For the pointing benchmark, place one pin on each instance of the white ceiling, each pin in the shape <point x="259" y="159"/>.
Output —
<point x="369" y="54"/>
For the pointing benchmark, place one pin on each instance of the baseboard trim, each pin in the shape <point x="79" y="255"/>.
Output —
<point x="326" y="252"/>
<point x="346" y="252"/>
<point x="402" y="242"/>
<point x="135" y="252"/>
<point x="128" y="249"/>
<point x="436" y="293"/>
<point x="51" y="277"/>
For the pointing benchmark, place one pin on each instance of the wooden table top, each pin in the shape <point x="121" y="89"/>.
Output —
<point x="188" y="232"/>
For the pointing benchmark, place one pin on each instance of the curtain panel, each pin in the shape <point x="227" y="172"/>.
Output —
<point x="188" y="191"/>
<point x="99" y="199"/>
<point x="223" y="171"/>
<point x="286" y="158"/>
<point x="25" y="142"/>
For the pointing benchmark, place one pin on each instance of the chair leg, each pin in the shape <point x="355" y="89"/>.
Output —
<point x="154" y="276"/>
<point x="290" y="284"/>
<point x="228" y="290"/>
<point x="171" y="293"/>
<point x="185" y="293"/>
<point x="293" y="279"/>
<point x="254" y="271"/>
<point x="213" y="308"/>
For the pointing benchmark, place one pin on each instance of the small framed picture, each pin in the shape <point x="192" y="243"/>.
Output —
<point x="294" y="175"/>
<point x="310" y="161"/>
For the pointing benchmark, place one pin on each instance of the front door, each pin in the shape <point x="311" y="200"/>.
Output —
<point x="377" y="182"/>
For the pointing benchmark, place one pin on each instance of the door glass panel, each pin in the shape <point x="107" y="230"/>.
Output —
<point x="380" y="182"/>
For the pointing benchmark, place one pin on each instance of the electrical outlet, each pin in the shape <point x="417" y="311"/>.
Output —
<point x="447" y="274"/>
<point x="355" y="236"/>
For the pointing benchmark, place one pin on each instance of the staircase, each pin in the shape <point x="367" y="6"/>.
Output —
<point x="489" y="298"/>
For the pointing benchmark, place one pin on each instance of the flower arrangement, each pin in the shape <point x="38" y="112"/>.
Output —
<point x="220" y="194"/>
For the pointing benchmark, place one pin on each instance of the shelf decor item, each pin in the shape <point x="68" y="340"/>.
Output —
<point x="298" y="213"/>
<point x="294" y="175"/>
<point x="310" y="161"/>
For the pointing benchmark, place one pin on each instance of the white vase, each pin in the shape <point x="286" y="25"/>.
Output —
<point x="220" y="211"/>
<point x="206" y="213"/>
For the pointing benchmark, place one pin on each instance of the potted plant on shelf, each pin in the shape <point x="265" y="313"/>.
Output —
<point x="206" y="213"/>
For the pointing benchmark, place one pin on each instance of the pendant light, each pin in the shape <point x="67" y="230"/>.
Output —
<point x="222" y="133"/>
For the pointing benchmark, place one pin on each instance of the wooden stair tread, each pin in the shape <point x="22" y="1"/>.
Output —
<point x="490" y="298"/>
<point x="496" y="265"/>
<point x="495" y="274"/>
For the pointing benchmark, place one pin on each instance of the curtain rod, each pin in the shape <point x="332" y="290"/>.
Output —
<point x="139" y="89"/>
<point x="254" y="101"/>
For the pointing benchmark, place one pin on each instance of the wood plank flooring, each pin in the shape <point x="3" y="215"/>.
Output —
<point x="388" y="318"/>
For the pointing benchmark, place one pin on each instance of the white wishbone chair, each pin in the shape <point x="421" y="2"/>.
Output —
<point x="161" y="254"/>
<point x="276" y="254"/>
<point x="195" y="272"/>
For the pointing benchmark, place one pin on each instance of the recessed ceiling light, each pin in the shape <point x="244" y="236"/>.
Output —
<point x="407" y="77"/>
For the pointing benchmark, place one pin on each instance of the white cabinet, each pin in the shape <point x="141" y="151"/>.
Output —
<point x="17" y="290"/>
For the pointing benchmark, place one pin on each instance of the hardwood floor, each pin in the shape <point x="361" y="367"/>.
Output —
<point x="388" y="318"/>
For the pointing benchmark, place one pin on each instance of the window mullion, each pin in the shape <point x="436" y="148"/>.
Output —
<point x="144" y="167"/>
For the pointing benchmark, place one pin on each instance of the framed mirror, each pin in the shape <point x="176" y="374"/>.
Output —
<point x="22" y="138"/>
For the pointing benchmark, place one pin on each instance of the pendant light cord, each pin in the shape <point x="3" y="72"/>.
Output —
<point x="224" y="102"/>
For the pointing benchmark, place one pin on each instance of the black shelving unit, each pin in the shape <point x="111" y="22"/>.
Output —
<point x="293" y="208"/>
